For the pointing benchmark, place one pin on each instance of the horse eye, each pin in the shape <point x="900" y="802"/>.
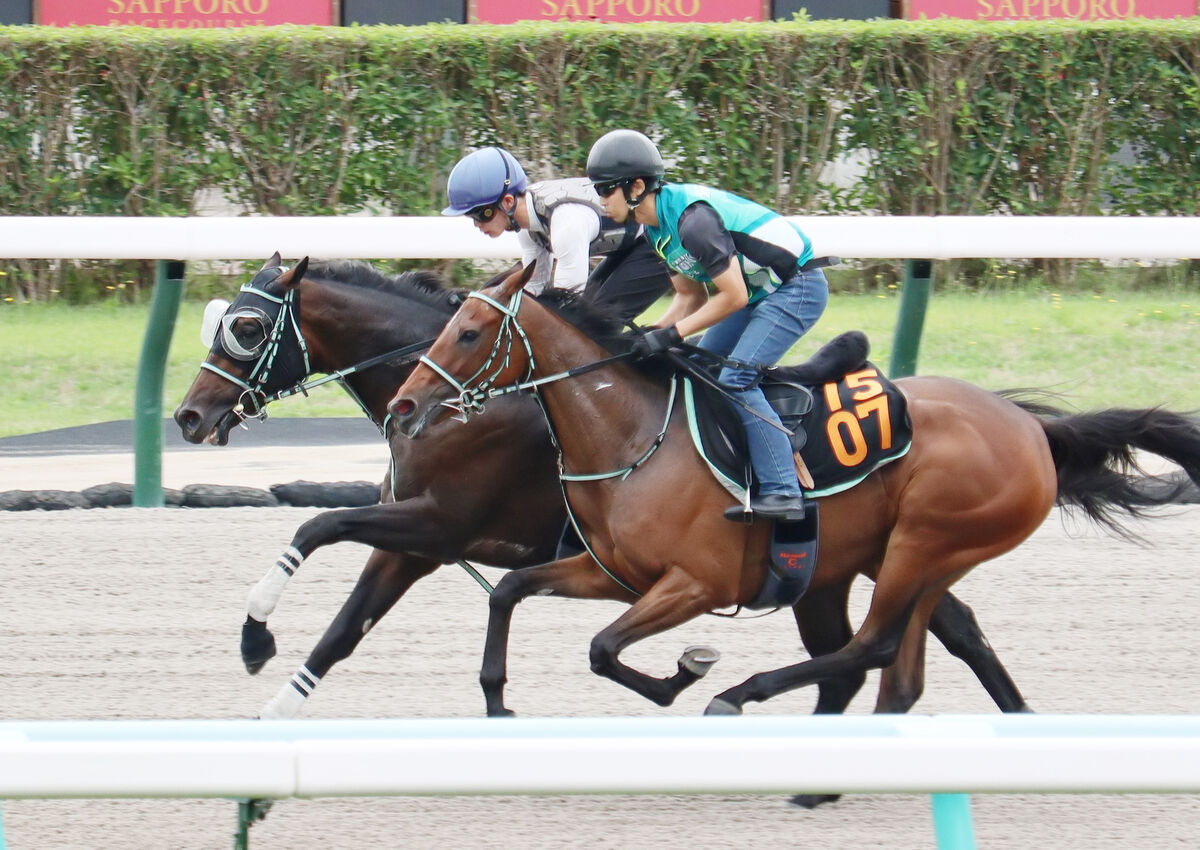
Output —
<point x="248" y="331"/>
<point x="469" y="335"/>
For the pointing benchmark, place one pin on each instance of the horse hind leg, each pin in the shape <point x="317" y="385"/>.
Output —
<point x="874" y="645"/>
<point x="386" y="577"/>
<point x="954" y="624"/>
<point x="824" y="625"/>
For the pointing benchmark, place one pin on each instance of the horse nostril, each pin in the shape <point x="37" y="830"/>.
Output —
<point x="403" y="408"/>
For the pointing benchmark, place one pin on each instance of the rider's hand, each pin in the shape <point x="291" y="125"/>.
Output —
<point x="656" y="341"/>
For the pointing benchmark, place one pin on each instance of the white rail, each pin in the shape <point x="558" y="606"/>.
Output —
<point x="880" y="754"/>
<point x="893" y="237"/>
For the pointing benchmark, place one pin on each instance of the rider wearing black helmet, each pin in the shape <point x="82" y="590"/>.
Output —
<point x="769" y="291"/>
<point x="560" y="224"/>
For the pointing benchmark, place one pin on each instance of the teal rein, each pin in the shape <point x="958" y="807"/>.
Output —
<point x="472" y="399"/>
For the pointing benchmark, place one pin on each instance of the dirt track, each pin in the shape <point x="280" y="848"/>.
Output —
<point x="136" y="614"/>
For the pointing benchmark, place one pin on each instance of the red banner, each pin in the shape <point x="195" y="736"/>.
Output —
<point x="184" y="14"/>
<point x="1024" y="10"/>
<point x="616" y="11"/>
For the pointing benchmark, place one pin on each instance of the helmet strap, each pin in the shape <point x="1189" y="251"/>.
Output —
<point x="651" y="186"/>
<point x="510" y="214"/>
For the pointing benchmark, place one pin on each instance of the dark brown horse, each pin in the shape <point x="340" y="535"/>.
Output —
<point x="981" y="476"/>
<point x="447" y="498"/>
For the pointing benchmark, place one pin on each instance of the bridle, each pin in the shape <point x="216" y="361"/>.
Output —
<point x="476" y="390"/>
<point x="279" y="320"/>
<point x="471" y="399"/>
<point x="282" y="349"/>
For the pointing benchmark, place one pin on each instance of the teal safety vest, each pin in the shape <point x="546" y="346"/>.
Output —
<point x="740" y="216"/>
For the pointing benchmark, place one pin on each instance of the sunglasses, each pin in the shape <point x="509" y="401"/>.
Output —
<point x="483" y="214"/>
<point x="607" y="187"/>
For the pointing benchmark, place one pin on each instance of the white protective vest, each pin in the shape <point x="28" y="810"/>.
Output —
<point x="549" y="194"/>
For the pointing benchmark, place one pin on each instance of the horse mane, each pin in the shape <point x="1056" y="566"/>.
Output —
<point x="604" y="327"/>
<point x="597" y="323"/>
<point x="423" y="285"/>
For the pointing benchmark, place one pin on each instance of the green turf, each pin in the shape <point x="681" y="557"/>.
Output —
<point x="67" y="365"/>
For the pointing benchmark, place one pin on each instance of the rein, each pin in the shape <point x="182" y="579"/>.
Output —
<point x="342" y="374"/>
<point x="471" y="400"/>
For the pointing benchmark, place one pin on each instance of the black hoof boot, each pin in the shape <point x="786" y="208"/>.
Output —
<point x="258" y="645"/>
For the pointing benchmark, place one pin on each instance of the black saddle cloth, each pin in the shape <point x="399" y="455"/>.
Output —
<point x="846" y="418"/>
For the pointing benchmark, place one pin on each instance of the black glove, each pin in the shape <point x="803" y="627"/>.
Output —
<point x="656" y="341"/>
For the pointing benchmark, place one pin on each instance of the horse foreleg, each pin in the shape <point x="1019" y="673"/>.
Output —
<point x="575" y="578"/>
<point x="386" y="577"/>
<point x="674" y="599"/>
<point x="954" y="624"/>
<point x="411" y="525"/>
<point x="258" y="644"/>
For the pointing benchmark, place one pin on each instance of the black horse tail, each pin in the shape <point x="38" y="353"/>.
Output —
<point x="1098" y="471"/>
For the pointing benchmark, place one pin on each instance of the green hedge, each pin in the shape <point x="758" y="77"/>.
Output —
<point x="1033" y="118"/>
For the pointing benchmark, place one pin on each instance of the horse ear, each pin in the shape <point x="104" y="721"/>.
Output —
<point x="294" y="275"/>
<point x="516" y="280"/>
<point x="275" y="262"/>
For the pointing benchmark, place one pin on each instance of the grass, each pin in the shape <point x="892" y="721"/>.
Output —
<point x="66" y="365"/>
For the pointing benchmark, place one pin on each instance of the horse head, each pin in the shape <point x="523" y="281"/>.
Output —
<point x="479" y="349"/>
<point x="255" y="349"/>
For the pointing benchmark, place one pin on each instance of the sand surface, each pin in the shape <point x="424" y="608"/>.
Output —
<point x="135" y="613"/>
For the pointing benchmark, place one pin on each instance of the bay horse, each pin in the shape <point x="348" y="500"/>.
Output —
<point x="982" y="474"/>
<point x="448" y="498"/>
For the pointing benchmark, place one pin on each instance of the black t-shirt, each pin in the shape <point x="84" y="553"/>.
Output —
<point x="703" y="234"/>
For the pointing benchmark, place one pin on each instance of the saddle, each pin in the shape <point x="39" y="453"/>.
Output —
<point x="846" y="420"/>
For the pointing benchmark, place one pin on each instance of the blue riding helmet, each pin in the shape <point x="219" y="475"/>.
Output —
<point x="482" y="178"/>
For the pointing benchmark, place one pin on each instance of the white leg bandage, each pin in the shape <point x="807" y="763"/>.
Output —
<point x="287" y="703"/>
<point x="264" y="596"/>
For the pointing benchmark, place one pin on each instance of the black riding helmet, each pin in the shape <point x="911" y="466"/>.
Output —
<point x="621" y="156"/>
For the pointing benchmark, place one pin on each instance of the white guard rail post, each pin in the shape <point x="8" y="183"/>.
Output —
<point x="939" y="755"/>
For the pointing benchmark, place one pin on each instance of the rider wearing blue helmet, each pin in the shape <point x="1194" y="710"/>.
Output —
<point x="561" y="224"/>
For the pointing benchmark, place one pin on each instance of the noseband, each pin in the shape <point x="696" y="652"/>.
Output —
<point x="471" y="399"/>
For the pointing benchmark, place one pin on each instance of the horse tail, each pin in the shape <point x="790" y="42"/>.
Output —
<point x="1098" y="471"/>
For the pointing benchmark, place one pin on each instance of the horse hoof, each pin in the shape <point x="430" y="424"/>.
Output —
<point x="698" y="660"/>
<point x="258" y="645"/>
<point x="811" y="801"/>
<point x="719" y="706"/>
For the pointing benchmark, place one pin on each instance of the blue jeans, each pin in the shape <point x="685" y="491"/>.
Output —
<point x="760" y="334"/>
